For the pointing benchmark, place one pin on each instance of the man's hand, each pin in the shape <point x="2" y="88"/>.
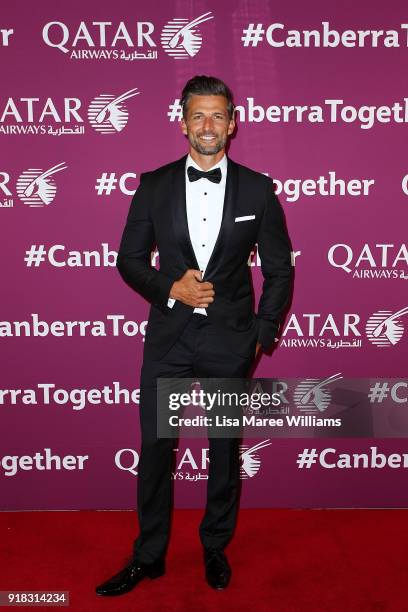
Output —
<point x="190" y="290"/>
<point x="258" y="347"/>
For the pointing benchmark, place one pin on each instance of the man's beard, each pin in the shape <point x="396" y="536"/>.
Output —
<point x="207" y="149"/>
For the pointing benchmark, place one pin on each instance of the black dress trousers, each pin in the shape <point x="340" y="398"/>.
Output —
<point x="198" y="352"/>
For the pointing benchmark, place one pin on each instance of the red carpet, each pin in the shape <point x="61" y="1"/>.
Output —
<point x="282" y="560"/>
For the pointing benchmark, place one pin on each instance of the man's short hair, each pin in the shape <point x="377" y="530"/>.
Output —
<point x="202" y="85"/>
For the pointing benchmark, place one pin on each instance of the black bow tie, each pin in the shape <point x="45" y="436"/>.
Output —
<point x="212" y="175"/>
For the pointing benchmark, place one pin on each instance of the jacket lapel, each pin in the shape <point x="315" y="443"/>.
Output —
<point x="227" y="222"/>
<point x="180" y="222"/>
<point x="179" y="208"/>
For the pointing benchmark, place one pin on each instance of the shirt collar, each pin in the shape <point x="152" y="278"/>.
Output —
<point x="220" y="164"/>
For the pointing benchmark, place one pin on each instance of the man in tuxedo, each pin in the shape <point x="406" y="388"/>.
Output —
<point x="204" y="212"/>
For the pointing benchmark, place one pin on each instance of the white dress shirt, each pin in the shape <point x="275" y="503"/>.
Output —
<point x="205" y="203"/>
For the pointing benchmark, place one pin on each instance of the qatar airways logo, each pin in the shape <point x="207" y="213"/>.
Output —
<point x="313" y="396"/>
<point x="36" y="187"/>
<point x="384" y="328"/>
<point x="180" y="38"/>
<point x="371" y="261"/>
<point x="192" y="465"/>
<point x="250" y="459"/>
<point x="107" y="114"/>
<point x="101" y="40"/>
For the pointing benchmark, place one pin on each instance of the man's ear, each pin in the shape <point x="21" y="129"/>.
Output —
<point x="231" y="126"/>
<point x="183" y="126"/>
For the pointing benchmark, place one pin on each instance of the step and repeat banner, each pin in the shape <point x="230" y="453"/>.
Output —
<point x="90" y="100"/>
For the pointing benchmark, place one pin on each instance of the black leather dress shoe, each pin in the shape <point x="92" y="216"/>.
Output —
<point x="217" y="569"/>
<point x="125" y="580"/>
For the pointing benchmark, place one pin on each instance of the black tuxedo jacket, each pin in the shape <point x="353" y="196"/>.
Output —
<point x="157" y="216"/>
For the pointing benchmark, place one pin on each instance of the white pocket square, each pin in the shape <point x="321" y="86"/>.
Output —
<point x="246" y="218"/>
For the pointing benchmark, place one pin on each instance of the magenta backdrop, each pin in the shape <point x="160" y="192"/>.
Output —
<point x="137" y="134"/>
